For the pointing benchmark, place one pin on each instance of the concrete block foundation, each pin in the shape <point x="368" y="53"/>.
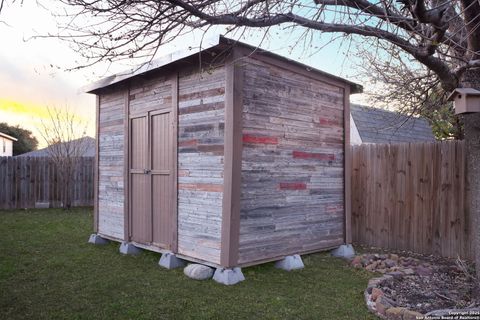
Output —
<point x="171" y="261"/>
<point x="345" y="251"/>
<point x="130" y="249"/>
<point x="97" y="240"/>
<point x="290" y="263"/>
<point x="228" y="276"/>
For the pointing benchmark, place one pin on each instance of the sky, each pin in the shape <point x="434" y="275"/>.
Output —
<point x="33" y="74"/>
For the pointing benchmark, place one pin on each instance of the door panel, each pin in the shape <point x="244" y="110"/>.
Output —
<point x="162" y="209"/>
<point x="138" y="143"/>
<point x="162" y="183"/>
<point x="140" y="215"/>
<point x="141" y="227"/>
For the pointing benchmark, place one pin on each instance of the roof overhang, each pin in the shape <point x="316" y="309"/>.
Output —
<point x="212" y="43"/>
<point x="463" y="91"/>
<point x="6" y="136"/>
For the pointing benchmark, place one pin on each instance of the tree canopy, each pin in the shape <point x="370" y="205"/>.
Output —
<point x="26" y="140"/>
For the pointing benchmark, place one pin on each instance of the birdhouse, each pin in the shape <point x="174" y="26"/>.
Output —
<point x="465" y="100"/>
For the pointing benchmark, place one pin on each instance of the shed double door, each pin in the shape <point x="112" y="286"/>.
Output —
<point x="152" y="178"/>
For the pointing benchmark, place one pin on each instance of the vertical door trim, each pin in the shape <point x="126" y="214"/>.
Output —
<point x="149" y="176"/>
<point x="96" y="168"/>
<point x="126" y="167"/>
<point x="347" y="169"/>
<point x="174" y="225"/>
<point x="232" y="160"/>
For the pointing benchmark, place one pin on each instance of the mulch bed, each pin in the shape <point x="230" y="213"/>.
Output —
<point x="420" y="283"/>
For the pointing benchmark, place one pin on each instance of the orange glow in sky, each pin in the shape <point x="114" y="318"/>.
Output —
<point x="31" y="116"/>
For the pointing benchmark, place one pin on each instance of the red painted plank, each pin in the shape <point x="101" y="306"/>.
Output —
<point x="188" y="143"/>
<point x="293" y="186"/>
<point x="248" y="138"/>
<point x="325" y="121"/>
<point x="310" y="155"/>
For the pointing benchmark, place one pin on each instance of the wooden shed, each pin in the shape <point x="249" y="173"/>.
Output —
<point x="230" y="157"/>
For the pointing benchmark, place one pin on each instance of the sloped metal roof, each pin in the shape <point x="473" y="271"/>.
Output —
<point x="206" y="45"/>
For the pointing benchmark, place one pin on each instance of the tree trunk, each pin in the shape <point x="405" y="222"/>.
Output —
<point x="471" y="79"/>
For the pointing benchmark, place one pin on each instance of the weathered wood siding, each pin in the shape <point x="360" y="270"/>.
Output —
<point x="111" y="165"/>
<point x="292" y="171"/>
<point x="200" y="163"/>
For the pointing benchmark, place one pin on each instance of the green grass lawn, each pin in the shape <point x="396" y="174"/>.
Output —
<point x="49" y="271"/>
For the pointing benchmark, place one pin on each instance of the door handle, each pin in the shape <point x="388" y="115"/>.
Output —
<point x="146" y="171"/>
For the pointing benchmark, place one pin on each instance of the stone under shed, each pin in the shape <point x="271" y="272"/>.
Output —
<point x="229" y="157"/>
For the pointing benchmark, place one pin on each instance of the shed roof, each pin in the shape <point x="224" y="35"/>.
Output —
<point x="381" y="126"/>
<point x="89" y="149"/>
<point x="6" y="136"/>
<point x="211" y="44"/>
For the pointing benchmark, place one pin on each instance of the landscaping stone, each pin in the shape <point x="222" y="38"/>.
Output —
<point x="198" y="271"/>
<point x="408" y="271"/>
<point x="376" y="293"/>
<point x="389" y="263"/>
<point x="394" y="257"/>
<point x="357" y="262"/>
<point x="423" y="271"/>
<point x="395" y="313"/>
<point x="370" y="267"/>
<point x="374" y="282"/>
<point x="382" y="304"/>
<point x="396" y="274"/>
<point x="411" y="315"/>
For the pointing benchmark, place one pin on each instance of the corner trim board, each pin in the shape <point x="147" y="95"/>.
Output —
<point x="96" y="169"/>
<point x="232" y="160"/>
<point x="347" y="167"/>
<point x="126" y="166"/>
<point x="174" y="241"/>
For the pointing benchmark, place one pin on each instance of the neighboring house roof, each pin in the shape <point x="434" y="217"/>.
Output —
<point x="217" y="42"/>
<point x="89" y="147"/>
<point x="381" y="126"/>
<point x="6" y="136"/>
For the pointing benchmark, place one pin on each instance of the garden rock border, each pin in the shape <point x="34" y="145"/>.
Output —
<point x="379" y="303"/>
<point x="384" y="307"/>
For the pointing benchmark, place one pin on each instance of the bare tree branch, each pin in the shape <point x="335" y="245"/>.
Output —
<point x="433" y="32"/>
<point x="64" y="134"/>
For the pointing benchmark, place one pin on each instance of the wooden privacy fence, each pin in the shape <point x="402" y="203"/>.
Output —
<point x="412" y="197"/>
<point x="29" y="182"/>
